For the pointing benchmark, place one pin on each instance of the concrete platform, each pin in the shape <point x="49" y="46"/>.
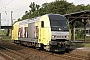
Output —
<point x="84" y="49"/>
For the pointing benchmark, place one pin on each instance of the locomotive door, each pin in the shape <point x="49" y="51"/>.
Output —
<point x="44" y="33"/>
<point x="41" y="31"/>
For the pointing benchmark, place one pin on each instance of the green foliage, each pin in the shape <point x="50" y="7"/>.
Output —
<point x="79" y="34"/>
<point x="78" y="24"/>
<point x="3" y="32"/>
<point x="87" y="45"/>
<point x="57" y="7"/>
<point x="19" y="19"/>
<point x="5" y="38"/>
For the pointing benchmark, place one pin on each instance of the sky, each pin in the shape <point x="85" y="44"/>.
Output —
<point x="20" y="6"/>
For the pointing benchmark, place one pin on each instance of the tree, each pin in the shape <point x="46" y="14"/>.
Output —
<point x="57" y="7"/>
<point x="32" y="6"/>
<point x="19" y="19"/>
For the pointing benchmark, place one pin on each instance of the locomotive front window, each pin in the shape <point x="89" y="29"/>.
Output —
<point x="62" y="23"/>
<point x="59" y="25"/>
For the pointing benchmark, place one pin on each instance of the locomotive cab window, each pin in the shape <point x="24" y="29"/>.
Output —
<point x="42" y="23"/>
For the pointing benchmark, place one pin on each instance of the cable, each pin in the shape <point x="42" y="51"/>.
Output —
<point x="6" y="4"/>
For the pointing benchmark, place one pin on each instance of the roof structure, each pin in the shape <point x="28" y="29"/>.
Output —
<point x="78" y="16"/>
<point x="82" y="16"/>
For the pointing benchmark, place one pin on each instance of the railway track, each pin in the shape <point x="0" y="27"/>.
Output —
<point x="15" y="55"/>
<point x="5" y="56"/>
<point x="12" y="54"/>
<point x="17" y="52"/>
<point x="73" y="57"/>
<point x="68" y="56"/>
<point x="65" y="56"/>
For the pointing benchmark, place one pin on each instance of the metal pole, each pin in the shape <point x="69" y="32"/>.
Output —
<point x="11" y="18"/>
<point x="0" y="23"/>
<point x="9" y="30"/>
<point x="72" y="31"/>
<point x="85" y="31"/>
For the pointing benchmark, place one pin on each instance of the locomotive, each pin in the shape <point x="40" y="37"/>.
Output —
<point x="49" y="32"/>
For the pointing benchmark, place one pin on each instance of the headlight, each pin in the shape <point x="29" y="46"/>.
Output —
<point x="53" y="36"/>
<point x="67" y="37"/>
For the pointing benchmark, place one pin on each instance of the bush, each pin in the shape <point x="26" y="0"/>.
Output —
<point x="79" y="34"/>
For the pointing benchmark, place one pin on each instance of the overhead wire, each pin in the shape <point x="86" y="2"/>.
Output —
<point x="6" y="4"/>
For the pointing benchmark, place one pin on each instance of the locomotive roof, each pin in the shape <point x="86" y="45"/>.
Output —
<point x="56" y="16"/>
<point x="26" y="21"/>
<point x="51" y="16"/>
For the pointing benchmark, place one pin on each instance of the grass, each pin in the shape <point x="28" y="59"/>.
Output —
<point x="87" y="38"/>
<point x="81" y="45"/>
<point x="5" y="38"/>
<point x="87" y="44"/>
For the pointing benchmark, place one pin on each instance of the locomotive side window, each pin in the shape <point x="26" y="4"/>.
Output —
<point x="42" y="23"/>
